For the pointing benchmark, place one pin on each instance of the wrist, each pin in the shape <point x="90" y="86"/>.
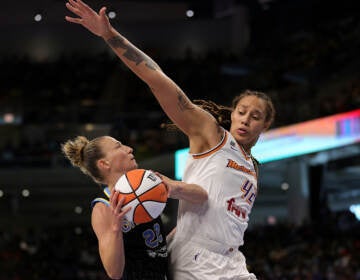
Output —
<point x="116" y="229"/>
<point x="111" y="33"/>
<point x="176" y="190"/>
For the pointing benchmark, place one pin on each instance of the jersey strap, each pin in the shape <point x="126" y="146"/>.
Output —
<point x="213" y="150"/>
<point x="102" y="200"/>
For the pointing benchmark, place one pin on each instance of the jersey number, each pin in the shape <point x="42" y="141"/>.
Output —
<point x="249" y="192"/>
<point x="153" y="236"/>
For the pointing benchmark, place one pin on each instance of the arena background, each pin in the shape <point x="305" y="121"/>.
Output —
<point x="58" y="81"/>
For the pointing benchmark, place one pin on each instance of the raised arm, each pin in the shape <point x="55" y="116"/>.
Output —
<point x="197" y="124"/>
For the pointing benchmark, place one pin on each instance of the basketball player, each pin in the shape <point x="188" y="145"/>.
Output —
<point x="207" y="237"/>
<point x="127" y="251"/>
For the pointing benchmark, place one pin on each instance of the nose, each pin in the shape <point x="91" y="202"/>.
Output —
<point x="245" y="119"/>
<point x="130" y="150"/>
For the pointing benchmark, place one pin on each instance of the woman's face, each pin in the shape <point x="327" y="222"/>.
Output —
<point x="118" y="157"/>
<point x="248" y="121"/>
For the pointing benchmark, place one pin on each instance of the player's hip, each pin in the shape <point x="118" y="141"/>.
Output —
<point x="191" y="260"/>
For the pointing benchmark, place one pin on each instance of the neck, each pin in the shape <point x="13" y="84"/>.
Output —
<point x="113" y="180"/>
<point x="247" y="149"/>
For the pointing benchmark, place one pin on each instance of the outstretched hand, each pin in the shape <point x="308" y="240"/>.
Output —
<point x="171" y="185"/>
<point x="97" y="23"/>
<point x="180" y="190"/>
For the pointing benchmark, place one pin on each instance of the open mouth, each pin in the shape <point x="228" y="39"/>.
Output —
<point x="242" y="131"/>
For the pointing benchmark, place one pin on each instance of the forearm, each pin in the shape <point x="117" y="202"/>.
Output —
<point x="186" y="115"/>
<point x="175" y="103"/>
<point x="190" y="192"/>
<point x="135" y="59"/>
<point x="111" y="248"/>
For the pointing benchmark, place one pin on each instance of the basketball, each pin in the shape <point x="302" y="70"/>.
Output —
<point x="145" y="192"/>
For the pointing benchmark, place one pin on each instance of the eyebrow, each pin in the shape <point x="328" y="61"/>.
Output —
<point x="256" y="110"/>
<point x="117" y="144"/>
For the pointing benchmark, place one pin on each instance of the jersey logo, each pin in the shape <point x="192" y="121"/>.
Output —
<point x="162" y="252"/>
<point x="232" y="164"/>
<point x="127" y="226"/>
<point x="248" y="194"/>
<point x="236" y="209"/>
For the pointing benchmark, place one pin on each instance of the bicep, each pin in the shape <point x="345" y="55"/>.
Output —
<point x="100" y="221"/>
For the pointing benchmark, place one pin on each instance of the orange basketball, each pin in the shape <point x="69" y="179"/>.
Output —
<point x="145" y="192"/>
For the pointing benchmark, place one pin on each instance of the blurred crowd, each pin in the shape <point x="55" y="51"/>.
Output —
<point x="328" y="250"/>
<point x="310" y="72"/>
<point x="309" y="68"/>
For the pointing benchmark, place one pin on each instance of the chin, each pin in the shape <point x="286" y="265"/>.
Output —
<point x="241" y="140"/>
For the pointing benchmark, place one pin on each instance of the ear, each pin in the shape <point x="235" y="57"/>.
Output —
<point x="267" y="125"/>
<point x="103" y="164"/>
<point x="232" y="115"/>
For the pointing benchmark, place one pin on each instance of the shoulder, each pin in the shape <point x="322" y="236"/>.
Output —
<point x="100" y="217"/>
<point x="101" y="200"/>
<point x="100" y="211"/>
<point x="208" y="140"/>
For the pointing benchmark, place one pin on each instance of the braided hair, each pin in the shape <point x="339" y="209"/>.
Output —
<point x="222" y="113"/>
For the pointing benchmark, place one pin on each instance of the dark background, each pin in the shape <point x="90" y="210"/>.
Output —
<point x="58" y="81"/>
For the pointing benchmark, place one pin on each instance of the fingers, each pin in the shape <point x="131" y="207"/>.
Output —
<point x="81" y="3"/>
<point x="167" y="181"/>
<point x="77" y="7"/>
<point x="125" y="210"/>
<point x="120" y="201"/>
<point x="102" y="11"/>
<point x="114" y="198"/>
<point x="116" y="202"/>
<point x="73" y="7"/>
<point x="158" y="174"/>
<point x="73" y="20"/>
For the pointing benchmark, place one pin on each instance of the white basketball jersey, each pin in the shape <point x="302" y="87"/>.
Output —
<point x="228" y="175"/>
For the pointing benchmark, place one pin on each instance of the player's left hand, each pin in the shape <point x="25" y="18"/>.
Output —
<point x="97" y="23"/>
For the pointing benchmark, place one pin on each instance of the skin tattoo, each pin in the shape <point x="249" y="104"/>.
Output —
<point x="183" y="102"/>
<point x="131" y="52"/>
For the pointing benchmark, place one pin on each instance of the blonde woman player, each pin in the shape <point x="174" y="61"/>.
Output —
<point x="127" y="251"/>
<point x="207" y="237"/>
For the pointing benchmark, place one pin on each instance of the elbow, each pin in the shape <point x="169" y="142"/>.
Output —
<point x="201" y="197"/>
<point x="204" y="197"/>
<point x="114" y="275"/>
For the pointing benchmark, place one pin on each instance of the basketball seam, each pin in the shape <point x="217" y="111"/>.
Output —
<point x="149" y="200"/>
<point x="137" y="197"/>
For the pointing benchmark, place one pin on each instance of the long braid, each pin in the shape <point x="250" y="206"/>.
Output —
<point x="221" y="113"/>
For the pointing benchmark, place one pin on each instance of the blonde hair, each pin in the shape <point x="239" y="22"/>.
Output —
<point x="84" y="154"/>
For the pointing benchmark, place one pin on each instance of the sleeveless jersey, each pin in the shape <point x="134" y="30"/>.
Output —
<point x="146" y="255"/>
<point x="228" y="175"/>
